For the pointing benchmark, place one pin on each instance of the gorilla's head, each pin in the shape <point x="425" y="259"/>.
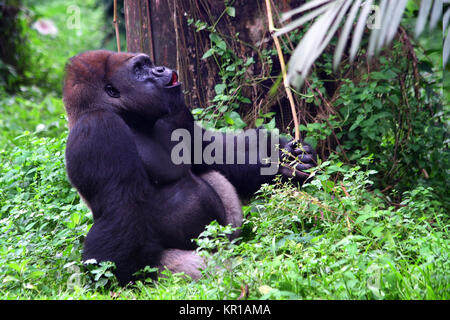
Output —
<point x="125" y="83"/>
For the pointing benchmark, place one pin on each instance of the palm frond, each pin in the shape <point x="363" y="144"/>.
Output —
<point x="360" y="28"/>
<point x="424" y="11"/>
<point x="446" y="29"/>
<point x="328" y="15"/>
<point x="345" y="33"/>
<point x="436" y="13"/>
<point x="305" y="7"/>
<point x="304" y="19"/>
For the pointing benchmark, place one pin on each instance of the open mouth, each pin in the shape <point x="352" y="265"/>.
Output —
<point x="173" y="80"/>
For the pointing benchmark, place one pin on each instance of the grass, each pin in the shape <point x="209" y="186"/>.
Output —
<point x="296" y="244"/>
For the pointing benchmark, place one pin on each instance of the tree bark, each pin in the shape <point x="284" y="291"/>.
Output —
<point x="173" y="42"/>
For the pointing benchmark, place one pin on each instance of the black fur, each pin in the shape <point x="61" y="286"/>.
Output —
<point x="118" y="158"/>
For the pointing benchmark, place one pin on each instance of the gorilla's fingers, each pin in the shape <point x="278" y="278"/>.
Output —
<point x="304" y="166"/>
<point x="303" y="148"/>
<point x="298" y="145"/>
<point x="289" y="172"/>
<point x="299" y="149"/>
<point x="306" y="158"/>
<point x="290" y="147"/>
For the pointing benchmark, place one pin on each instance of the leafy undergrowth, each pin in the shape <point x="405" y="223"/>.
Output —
<point x="332" y="239"/>
<point x="335" y="238"/>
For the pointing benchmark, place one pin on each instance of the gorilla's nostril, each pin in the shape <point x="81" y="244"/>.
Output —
<point x="160" y="69"/>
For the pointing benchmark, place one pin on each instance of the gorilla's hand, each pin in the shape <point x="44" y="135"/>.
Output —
<point x="297" y="156"/>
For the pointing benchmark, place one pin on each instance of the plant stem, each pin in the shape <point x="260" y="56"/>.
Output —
<point x="283" y="69"/>
<point x="116" y="26"/>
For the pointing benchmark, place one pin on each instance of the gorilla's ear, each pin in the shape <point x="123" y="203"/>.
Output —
<point x="83" y="82"/>
<point x="111" y="91"/>
<point x="87" y="79"/>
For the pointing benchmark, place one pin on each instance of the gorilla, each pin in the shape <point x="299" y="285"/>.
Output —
<point x="122" y="114"/>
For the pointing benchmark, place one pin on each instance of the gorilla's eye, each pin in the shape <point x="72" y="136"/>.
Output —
<point x="137" y="67"/>
<point x="143" y="61"/>
<point x="111" y="91"/>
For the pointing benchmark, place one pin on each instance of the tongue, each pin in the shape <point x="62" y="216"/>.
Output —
<point x="174" y="79"/>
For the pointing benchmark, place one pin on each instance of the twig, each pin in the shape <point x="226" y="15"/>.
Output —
<point x="414" y="60"/>
<point x="244" y="292"/>
<point x="116" y="25"/>
<point x="329" y="107"/>
<point x="283" y="69"/>
<point x="347" y="218"/>
<point x="345" y="190"/>
<point x="425" y="174"/>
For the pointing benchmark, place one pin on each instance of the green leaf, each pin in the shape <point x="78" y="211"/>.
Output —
<point x="271" y="125"/>
<point x="233" y="118"/>
<point x="259" y="122"/>
<point x="311" y="141"/>
<point x="197" y="111"/>
<point x="223" y="108"/>
<point x="231" y="11"/>
<point x="208" y="53"/>
<point x="362" y="218"/>
<point x="357" y="122"/>
<point x="328" y="185"/>
<point x="377" y="231"/>
<point x="220" y="88"/>
<point x="228" y="119"/>
<point x="222" y="45"/>
<point x="246" y="100"/>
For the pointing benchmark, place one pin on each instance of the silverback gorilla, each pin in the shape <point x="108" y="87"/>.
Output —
<point x="122" y="112"/>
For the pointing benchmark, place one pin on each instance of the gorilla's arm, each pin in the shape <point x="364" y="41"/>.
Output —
<point x="248" y="175"/>
<point x="103" y="164"/>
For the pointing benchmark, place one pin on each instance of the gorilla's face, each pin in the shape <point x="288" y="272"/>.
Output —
<point x="143" y="88"/>
<point x="126" y="83"/>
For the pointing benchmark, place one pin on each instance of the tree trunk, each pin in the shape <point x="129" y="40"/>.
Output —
<point x="171" y="41"/>
<point x="12" y="60"/>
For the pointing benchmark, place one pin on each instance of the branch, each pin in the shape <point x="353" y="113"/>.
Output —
<point x="116" y="26"/>
<point x="283" y="69"/>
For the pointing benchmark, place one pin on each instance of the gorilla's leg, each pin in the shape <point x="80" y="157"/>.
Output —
<point x="228" y="196"/>
<point x="187" y="261"/>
